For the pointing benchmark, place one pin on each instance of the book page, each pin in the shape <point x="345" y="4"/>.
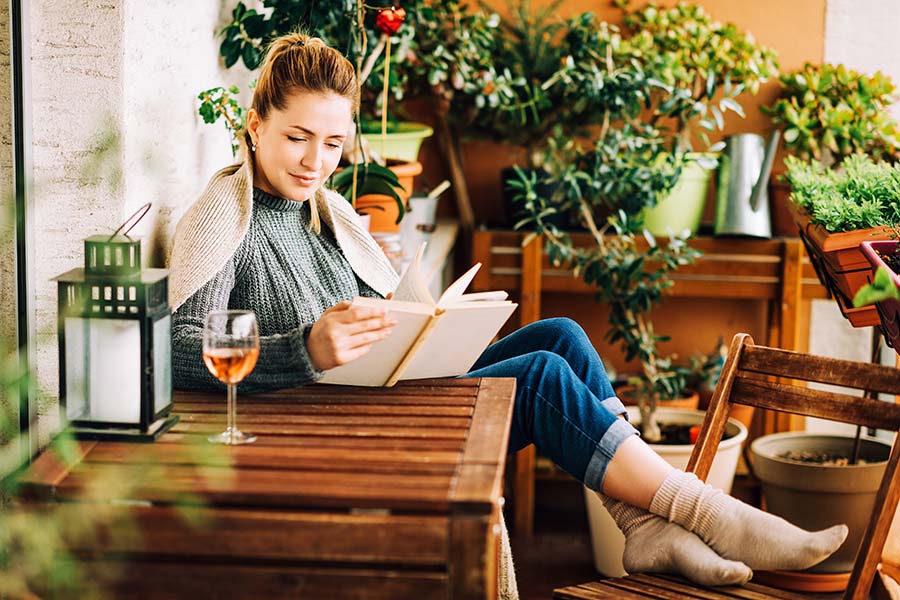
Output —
<point x="458" y="339"/>
<point x="412" y="288"/>
<point x="456" y="289"/>
<point x="376" y="366"/>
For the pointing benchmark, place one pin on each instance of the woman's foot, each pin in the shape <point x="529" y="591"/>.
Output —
<point x="653" y="545"/>
<point x="739" y="531"/>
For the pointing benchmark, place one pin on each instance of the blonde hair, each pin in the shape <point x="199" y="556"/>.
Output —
<point x="296" y="62"/>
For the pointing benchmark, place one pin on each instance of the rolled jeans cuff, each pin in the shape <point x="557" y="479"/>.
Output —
<point x="617" y="433"/>
<point x="615" y="406"/>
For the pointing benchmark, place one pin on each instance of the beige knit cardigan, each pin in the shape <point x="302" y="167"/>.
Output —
<point x="211" y="230"/>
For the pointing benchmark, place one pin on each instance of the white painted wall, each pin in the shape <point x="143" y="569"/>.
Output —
<point x="134" y="69"/>
<point x="862" y="36"/>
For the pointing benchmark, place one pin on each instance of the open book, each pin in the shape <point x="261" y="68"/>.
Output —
<point x="430" y="339"/>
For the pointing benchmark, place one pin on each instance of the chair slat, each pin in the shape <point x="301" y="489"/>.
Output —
<point x="816" y="403"/>
<point x="805" y="367"/>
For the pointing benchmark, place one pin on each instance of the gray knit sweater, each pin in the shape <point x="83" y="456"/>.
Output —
<point x="285" y="273"/>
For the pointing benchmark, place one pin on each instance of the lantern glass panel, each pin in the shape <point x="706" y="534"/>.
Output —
<point x="162" y="363"/>
<point x="103" y="370"/>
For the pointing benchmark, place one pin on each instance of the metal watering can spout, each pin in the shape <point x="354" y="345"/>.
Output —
<point x="764" y="172"/>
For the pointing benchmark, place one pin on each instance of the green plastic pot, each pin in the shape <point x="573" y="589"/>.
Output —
<point x="683" y="207"/>
<point x="402" y="142"/>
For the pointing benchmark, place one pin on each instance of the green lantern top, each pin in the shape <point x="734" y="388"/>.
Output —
<point x="112" y="256"/>
<point x="116" y="255"/>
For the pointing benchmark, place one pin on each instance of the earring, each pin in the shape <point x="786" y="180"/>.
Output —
<point x="253" y="146"/>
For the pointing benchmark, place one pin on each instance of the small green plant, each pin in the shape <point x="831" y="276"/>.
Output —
<point x="219" y="102"/>
<point x="830" y="112"/>
<point x="881" y="288"/>
<point x="370" y="178"/>
<point x="863" y="193"/>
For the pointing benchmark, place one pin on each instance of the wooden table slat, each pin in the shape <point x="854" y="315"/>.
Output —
<point x="489" y="423"/>
<point x="264" y="456"/>
<point x="248" y="418"/>
<point x="150" y="580"/>
<point x="191" y="534"/>
<point x="260" y="408"/>
<point x="410" y="399"/>
<point x="360" y="444"/>
<point x="51" y="468"/>
<point x="421" y="499"/>
<point x="349" y="431"/>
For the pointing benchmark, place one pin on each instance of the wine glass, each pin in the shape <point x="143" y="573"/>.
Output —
<point x="230" y="351"/>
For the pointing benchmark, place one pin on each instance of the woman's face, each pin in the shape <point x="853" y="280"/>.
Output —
<point x="298" y="148"/>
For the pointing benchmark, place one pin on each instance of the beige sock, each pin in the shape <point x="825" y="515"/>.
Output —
<point x="653" y="545"/>
<point x="739" y="531"/>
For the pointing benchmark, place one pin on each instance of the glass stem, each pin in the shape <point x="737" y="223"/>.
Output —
<point x="232" y="410"/>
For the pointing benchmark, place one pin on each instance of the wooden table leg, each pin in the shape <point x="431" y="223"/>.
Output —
<point x="523" y="500"/>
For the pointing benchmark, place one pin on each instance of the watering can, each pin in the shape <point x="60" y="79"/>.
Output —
<point x="742" y="199"/>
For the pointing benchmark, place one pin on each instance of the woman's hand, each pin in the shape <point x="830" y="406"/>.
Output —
<point x="344" y="333"/>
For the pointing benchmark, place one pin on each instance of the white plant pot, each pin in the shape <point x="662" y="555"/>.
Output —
<point x="607" y="541"/>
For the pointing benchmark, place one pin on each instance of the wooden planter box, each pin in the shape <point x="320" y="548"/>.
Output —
<point x="888" y="310"/>
<point x="840" y="264"/>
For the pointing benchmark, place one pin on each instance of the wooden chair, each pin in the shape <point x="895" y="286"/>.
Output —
<point x="766" y="378"/>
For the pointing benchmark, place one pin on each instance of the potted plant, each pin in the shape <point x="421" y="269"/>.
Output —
<point x="828" y="113"/>
<point x="884" y="290"/>
<point x="815" y="481"/>
<point x="378" y="45"/>
<point x="835" y="210"/>
<point x="706" y="66"/>
<point x="691" y="70"/>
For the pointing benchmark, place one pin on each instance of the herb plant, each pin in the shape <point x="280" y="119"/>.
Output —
<point x="863" y="193"/>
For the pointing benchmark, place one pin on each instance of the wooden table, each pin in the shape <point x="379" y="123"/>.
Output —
<point x="776" y="270"/>
<point x="348" y="493"/>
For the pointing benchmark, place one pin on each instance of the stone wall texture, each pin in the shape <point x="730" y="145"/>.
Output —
<point x="7" y="205"/>
<point x="115" y="125"/>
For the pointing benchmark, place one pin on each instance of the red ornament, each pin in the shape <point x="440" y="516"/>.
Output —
<point x="389" y="20"/>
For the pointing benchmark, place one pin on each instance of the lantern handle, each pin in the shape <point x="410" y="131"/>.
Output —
<point x="143" y="212"/>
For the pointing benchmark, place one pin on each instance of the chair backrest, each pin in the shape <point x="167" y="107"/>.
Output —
<point x="774" y="379"/>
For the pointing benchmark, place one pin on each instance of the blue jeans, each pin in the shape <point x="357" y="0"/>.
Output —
<point x="564" y="403"/>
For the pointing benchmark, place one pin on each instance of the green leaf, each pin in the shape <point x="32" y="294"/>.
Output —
<point x="254" y="25"/>
<point x="251" y="57"/>
<point x="881" y="288"/>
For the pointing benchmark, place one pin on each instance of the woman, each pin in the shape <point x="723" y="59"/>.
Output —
<point x="267" y="236"/>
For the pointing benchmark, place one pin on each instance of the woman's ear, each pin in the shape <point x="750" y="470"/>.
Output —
<point x="253" y="123"/>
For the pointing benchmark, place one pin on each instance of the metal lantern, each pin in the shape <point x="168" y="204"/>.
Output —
<point x="115" y="348"/>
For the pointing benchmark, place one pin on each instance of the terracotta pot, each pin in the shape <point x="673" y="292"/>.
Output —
<point x="840" y="264"/>
<point x="383" y="210"/>
<point x="779" y="198"/>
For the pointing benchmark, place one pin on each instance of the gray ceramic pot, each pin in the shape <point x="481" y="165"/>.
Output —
<point x="817" y="496"/>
